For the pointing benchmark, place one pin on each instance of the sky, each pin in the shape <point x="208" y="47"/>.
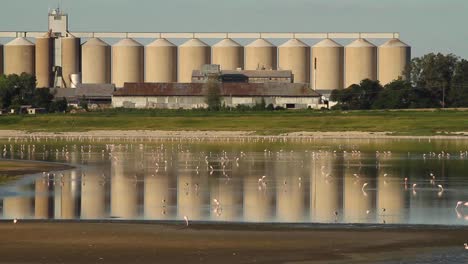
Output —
<point x="426" y="25"/>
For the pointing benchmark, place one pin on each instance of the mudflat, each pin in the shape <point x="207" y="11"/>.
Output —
<point x="153" y="242"/>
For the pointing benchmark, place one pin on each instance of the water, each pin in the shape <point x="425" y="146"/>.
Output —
<point x="242" y="180"/>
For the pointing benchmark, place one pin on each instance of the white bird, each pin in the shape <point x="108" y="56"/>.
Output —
<point x="414" y="186"/>
<point x="364" y="186"/>
<point x="440" y="187"/>
<point x="466" y="246"/>
<point x="216" y="202"/>
<point x="186" y="220"/>
<point x="15" y="221"/>
<point x="458" y="204"/>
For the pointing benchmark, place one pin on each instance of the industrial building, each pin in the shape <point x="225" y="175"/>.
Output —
<point x="240" y="76"/>
<point x="192" y="95"/>
<point x="60" y="58"/>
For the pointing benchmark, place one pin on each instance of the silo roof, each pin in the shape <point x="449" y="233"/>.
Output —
<point x="294" y="43"/>
<point x="328" y="43"/>
<point x="227" y="42"/>
<point x="260" y="43"/>
<point x="20" y="42"/>
<point x="194" y="43"/>
<point x="95" y="42"/>
<point x="360" y="43"/>
<point x="128" y="42"/>
<point x="161" y="42"/>
<point x="394" y="43"/>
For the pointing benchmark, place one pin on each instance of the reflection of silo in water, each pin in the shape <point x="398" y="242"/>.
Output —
<point x="17" y="207"/>
<point x="290" y="191"/>
<point x="192" y="194"/>
<point x="43" y="202"/>
<point x="358" y="201"/>
<point x="259" y="202"/>
<point x="391" y="196"/>
<point x="124" y="194"/>
<point x="93" y="195"/>
<point x="158" y="199"/>
<point x="326" y="179"/>
<point x="70" y="195"/>
<point x="229" y="195"/>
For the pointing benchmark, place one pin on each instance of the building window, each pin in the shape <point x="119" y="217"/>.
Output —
<point x="290" y="106"/>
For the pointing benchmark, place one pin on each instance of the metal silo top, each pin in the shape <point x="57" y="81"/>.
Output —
<point x="194" y="43"/>
<point x="128" y="42"/>
<point x="161" y="43"/>
<point x="20" y="42"/>
<point x="360" y="43"/>
<point x="327" y="43"/>
<point x="227" y="42"/>
<point x="394" y="43"/>
<point x="260" y="43"/>
<point x="294" y="43"/>
<point x="95" y="42"/>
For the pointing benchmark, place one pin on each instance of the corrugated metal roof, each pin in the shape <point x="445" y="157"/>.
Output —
<point x="252" y="73"/>
<point x="87" y="90"/>
<point x="226" y="89"/>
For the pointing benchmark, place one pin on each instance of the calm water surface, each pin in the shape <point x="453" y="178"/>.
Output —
<point x="242" y="180"/>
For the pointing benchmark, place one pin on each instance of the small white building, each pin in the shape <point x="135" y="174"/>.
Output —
<point x="192" y="95"/>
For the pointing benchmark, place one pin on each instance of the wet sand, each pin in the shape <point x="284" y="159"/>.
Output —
<point x="146" y="242"/>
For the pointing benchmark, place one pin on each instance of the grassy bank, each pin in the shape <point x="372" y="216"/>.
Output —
<point x="399" y="122"/>
<point x="11" y="170"/>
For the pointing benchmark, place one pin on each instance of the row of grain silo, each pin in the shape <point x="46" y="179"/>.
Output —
<point x="327" y="65"/>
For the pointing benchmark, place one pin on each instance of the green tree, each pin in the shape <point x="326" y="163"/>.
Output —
<point x="213" y="94"/>
<point x="434" y="72"/>
<point x="401" y="94"/>
<point x="357" y="96"/>
<point x="458" y="95"/>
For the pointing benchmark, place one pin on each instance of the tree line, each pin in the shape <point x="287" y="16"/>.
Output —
<point x="435" y="81"/>
<point x="18" y="90"/>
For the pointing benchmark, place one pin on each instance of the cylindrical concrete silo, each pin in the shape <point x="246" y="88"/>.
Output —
<point x="193" y="54"/>
<point x="19" y="57"/>
<point x="294" y="55"/>
<point x="161" y="61"/>
<point x="327" y="65"/>
<point x="96" y="61"/>
<point x="44" y="61"/>
<point x="360" y="62"/>
<point x="260" y="55"/>
<point x="228" y="54"/>
<point x="127" y="62"/>
<point x="1" y="59"/>
<point x="70" y="59"/>
<point x="394" y="59"/>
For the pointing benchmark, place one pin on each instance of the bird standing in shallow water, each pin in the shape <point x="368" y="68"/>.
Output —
<point x="15" y="221"/>
<point x="186" y="220"/>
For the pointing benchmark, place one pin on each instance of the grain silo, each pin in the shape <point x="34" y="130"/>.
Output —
<point x="127" y="62"/>
<point x="193" y="54"/>
<point x="70" y="59"/>
<point x="294" y="55"/>
<point x="327" y="65"/>
<point x="44" y="61"/>
<point x="394" y="59"/>
<point x="228" y="54"/>
<point x="1" y="59"/>
<point x="96" y="61"/>
<point x="360" y="62"/>
<point x="19" y="57"/>
<point x="260" y="55"/>
<point x="161" y="61"/>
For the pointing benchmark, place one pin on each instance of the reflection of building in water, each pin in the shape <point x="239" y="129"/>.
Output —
<point x="390" y="194"/>
<point x="228" y="191"/>
<point x="124" y="188"/>
<point x="159" y="202"/>
<point x="44" y="201"/>
<point x="259" y="200"/>
<point x="192" y="190"/>
<point x="69" y="206"/>
<point x="290" y="189"/>
<point x="18" y="206"/>
<point x="93" y="194"/>
<point x="326" y="180"/>
<point x="358" y="203"/>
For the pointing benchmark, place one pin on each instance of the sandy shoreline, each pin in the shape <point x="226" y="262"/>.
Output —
<point x="222" y="134"/>
<point x="97" y="242"/>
